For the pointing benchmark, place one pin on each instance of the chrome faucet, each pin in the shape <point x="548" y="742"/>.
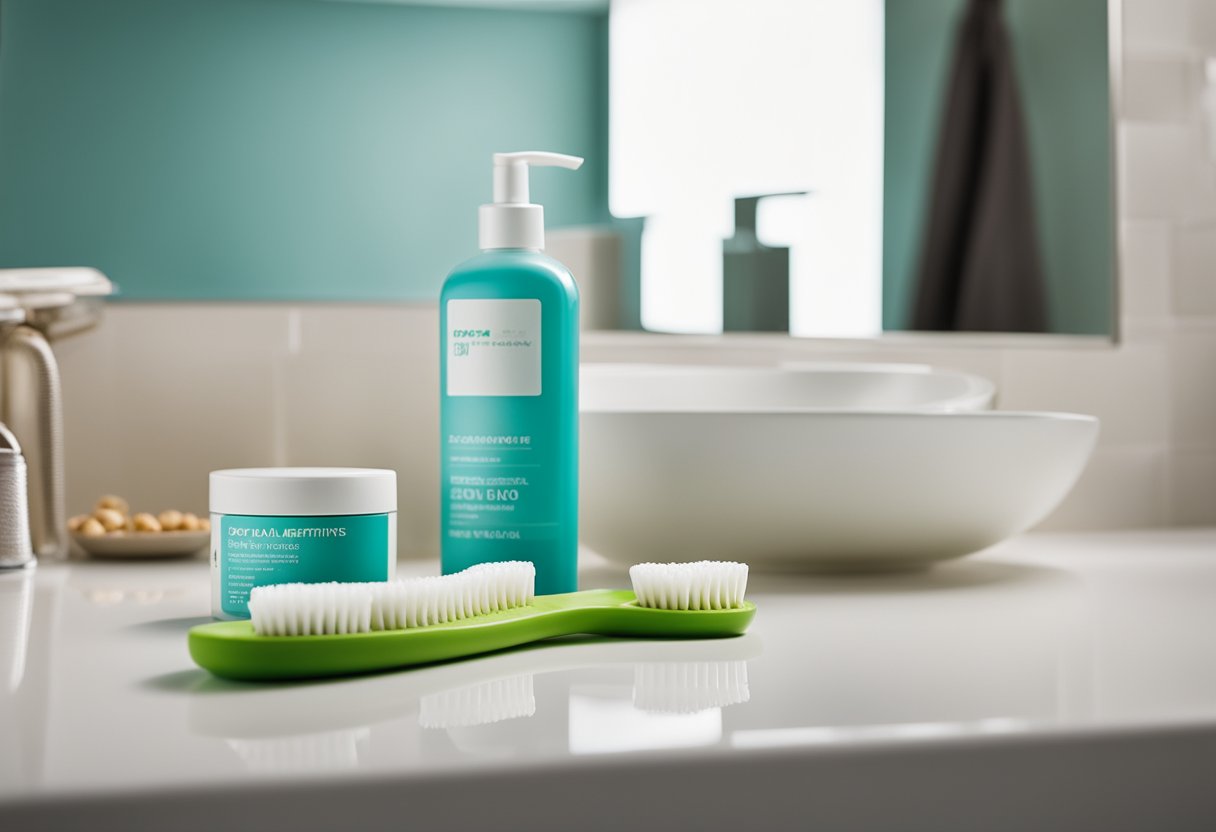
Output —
<point x="31" y="404"/>
<point x="37" y="307"/>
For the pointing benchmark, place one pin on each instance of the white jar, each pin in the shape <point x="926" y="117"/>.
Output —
<point x="298" y="525"/>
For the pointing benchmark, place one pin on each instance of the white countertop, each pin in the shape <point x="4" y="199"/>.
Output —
<point x="1100" y="645"/>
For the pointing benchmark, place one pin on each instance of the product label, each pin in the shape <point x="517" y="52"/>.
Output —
<point x="490" y="483"/>
<point x="493" y="347"/>
<point x="255" y="551"/>
<point x="501" y="498"/>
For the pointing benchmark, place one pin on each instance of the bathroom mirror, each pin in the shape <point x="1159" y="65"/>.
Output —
<point x="955" y="156"/>
<point x="952" y="159"/>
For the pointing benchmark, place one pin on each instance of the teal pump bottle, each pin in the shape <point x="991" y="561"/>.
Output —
<point x="508" y="412"/>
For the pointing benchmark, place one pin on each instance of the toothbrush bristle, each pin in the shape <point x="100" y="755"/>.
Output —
<point x="334" y="608"/>
<point x="310" y="609"/>
<point x="704" y="585"/>
<point x="478" y="590"/>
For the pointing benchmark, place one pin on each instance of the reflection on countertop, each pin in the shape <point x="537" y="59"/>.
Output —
<point x="579" y="695"/>
<point x="1041" y="634"/>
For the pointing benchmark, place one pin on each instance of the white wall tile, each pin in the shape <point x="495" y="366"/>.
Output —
<point x="1165" y="172"/>
<point x="1193" y="375"/>
<point x="1203" y="25"/>
<point x="197" y="331"/>
<point x="1156" y="26"/>
<point x="1193" y="488"/>
<point x="1126" y="387"/>
<point x="358" y="328"/>
<point x="1121" y="488"/>
<point x="1159" y="89"/>
<point x="1145" y="268"/>
<point x="1193" y="268"/>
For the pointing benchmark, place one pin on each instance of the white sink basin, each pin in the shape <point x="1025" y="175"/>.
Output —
<point x="804" y="386"/>
<point x="676" y="468"/>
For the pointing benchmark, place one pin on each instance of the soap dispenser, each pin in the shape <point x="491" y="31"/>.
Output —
<point x="508" y="369"/>
<point x="755" y="277"/>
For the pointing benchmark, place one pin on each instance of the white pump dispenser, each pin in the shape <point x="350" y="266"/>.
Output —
<point x="511" y="221"/>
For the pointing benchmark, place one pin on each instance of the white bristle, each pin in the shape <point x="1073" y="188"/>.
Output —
<point x="310" y="609"/>
<point x="478" y="590"/>
<point x="704" y="585"/>
<point x="333" y="608"/>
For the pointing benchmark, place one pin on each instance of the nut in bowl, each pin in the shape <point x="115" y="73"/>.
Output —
<point x="113" y="531"/>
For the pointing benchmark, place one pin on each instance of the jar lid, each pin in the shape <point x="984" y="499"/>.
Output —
<point x="303" y="492"/>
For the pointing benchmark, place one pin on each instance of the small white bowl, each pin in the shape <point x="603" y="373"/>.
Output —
<point x="143" y="544"/>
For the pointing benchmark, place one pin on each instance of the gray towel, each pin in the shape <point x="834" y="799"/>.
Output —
<point x="980" y="267"/>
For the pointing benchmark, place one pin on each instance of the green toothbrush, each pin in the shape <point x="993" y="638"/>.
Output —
<point x="302" y="631"/>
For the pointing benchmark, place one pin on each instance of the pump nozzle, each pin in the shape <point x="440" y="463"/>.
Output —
<point x="512" y="221"/>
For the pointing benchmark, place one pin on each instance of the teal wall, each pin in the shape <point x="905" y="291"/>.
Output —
<point x="1063" y="67"/>
<point x="284" y="149"/>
